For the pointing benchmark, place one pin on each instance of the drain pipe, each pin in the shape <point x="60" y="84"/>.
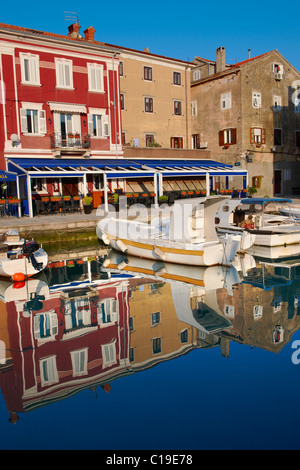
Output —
<point x="114" y="93"/>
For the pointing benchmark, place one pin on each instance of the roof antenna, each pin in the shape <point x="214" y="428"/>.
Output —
<point x="71" y="16"/>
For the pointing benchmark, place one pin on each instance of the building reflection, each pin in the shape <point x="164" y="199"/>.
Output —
<point x="85" y="323"/>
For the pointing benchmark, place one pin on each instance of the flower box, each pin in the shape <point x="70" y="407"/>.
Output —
<point x="2" y="201"/>
<point x="77" y="136"/>
<point x="55" y="199"/>
<point x="67" y="198"/>
<point x="13" y="201"/>
<point x="76" y="198"/>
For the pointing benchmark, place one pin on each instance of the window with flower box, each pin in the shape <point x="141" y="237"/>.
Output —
<point x="227" y="137"/>
<point x="257" y="135"/>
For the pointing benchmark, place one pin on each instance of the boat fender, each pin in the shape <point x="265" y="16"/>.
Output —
<point x="19" y="285"/>
<point x="122" y="265"/>
<point x="18" y="277"/>
<point x="105" y="239"/>
<point x="121" y="245"/>
<point x="159" y="253"/>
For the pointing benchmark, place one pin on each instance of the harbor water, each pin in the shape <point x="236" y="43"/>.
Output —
<point x="111" y="353"/>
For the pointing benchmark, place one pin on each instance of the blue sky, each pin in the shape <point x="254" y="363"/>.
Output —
<point x="172" y="28"/>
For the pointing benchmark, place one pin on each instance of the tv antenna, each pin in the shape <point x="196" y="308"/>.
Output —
<point x="71" y="16"/>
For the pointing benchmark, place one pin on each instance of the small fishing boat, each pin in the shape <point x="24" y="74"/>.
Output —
<point x="20" y="259"/>
<point x="186" y="236"/>
<point x="268" y="227"/>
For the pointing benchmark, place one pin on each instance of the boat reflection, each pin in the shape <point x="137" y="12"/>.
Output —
<point x="86" y="322"/>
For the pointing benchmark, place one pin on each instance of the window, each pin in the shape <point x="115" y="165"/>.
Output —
<point x="176" y="78"/>
<point x="276" y="103"/>
<point x="64" y="76"/>
<point x="297" y="138"/>
<point x="229" y="311"/>
<point x="227" y="137"/>
<point x="98" y="123"/>
<point x="79" y="362"/>
<point x="196" y="141"/>
<point x="148" y="105"/>
<point x="109" y="354"/>
<point x="277" y="137"/>
<point x="30" y="72"/>
<point x="184" y="336"/>
<point x="107" y="311"/>
<point x="177" y="108"/>
<point x="226" y="100"/>
<point x="33" y="119"/>
<point x="121" y="68"/>
<point x="277" y="70"/>
<point x="45" y="325"/>
<point x="149" y="138"/>
<point x="148" y="73"/>
<point x="48" y="371"/>
<point x="194" y="108"/>
<point x="95" y="76"/>
<point x="155" y="318"/>
<point x="196" y="75"/>
<point x="176" y="142"/>
<point x="257" y="311"/>
<point x="257" y="135"/>
<point x="156" y="345"/>
<point x="256" y="100"/>
<point x="122" y="101"/>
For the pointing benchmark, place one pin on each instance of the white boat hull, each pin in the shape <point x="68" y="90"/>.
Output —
<point x="23" y="265"/>
<point x="192" y="254"/>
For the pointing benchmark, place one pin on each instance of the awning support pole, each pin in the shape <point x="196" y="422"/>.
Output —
<point x="207" y="184"/>
<point x="29" y="195"/>
<point x="105" y="192"/>
<point x="18" y="196"/>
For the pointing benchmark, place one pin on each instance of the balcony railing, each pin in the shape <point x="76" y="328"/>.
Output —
<point x="70" y="141"/>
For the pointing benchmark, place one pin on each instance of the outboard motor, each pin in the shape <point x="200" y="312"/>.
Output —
<point x="29" y="248"/>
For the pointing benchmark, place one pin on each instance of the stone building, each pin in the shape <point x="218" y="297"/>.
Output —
<point x="247" y="115"/>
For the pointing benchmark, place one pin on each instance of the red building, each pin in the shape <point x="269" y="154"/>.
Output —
<point x="69" y="340"/>
<point x="60" y="112"/>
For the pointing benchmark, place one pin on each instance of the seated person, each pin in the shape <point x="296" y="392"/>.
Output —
<point x="248" y="222"/>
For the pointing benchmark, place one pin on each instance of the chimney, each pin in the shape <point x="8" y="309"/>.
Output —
<point x="89" y="33"/>
<point x="220" y="59"/>
<point x="249" y="53"/>
<point x="74" y="30"/>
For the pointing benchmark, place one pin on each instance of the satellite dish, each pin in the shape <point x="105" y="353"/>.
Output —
<point x="15" y="139"/>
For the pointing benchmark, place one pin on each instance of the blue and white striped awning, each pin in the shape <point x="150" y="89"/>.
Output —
<point x="119" y="168"/>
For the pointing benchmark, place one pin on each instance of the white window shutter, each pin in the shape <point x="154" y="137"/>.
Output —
<point x="23" y="120"/>
<point x="106" y="126"/>
<point x="42" y="122"/>
<point x="90" y="123"/>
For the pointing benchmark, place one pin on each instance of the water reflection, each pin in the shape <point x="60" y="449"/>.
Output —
<point x="86" y="322"/>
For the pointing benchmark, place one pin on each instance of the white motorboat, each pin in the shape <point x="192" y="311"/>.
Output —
<point x="269" y="229"/>
<point x="20" y="259"/>
<point x="292" y="212"/>
<point x="194" y="289"/>
<point x="186" y="236"/>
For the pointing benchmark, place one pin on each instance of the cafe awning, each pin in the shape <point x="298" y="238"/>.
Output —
<point x="120" y="168"/>
<point x="113" y="168"/>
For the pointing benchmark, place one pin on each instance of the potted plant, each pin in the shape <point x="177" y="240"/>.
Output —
<point x="251" y="190"/>
<point x="163" y="199"/>
<point x="87" y="204"/>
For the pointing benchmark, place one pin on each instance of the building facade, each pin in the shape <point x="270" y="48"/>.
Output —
<point x="247" y="115"/>
<point x="60" y="100"/>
